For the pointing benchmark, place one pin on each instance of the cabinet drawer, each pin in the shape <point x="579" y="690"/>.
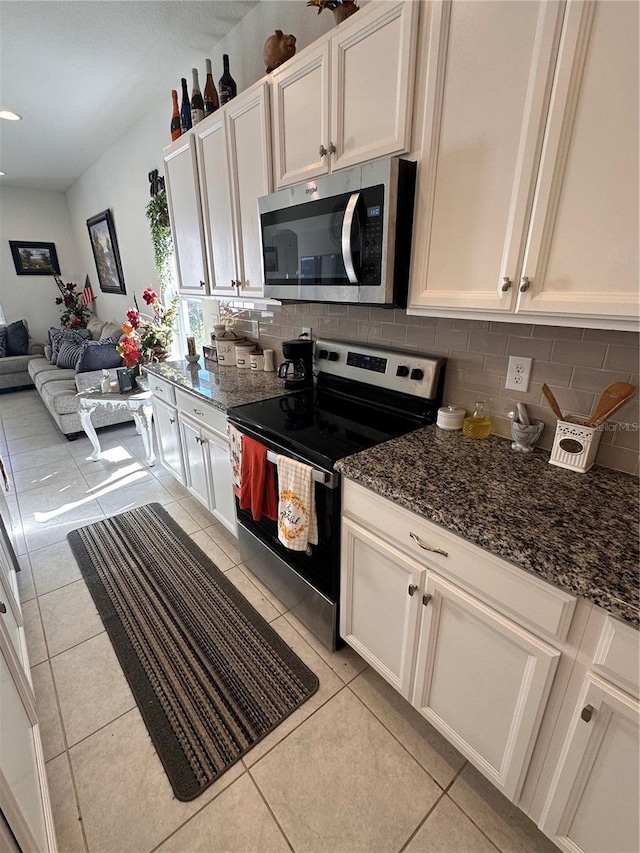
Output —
<point x="164" y="390"/>
<point x="617" y="657"/>
<point x="515" y="592"/>
<point x="206" y="414"/>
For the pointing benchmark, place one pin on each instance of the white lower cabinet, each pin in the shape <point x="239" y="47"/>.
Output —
<point x="195" y="460"/>
<point x="168" y="438"/>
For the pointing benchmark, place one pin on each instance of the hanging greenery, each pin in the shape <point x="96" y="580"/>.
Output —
<point x="158" y="215"/>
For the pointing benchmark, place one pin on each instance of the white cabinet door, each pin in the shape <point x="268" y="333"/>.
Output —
<point x="489" y="71"/>
<point x="24" y="800"/>
<point x="195" y="466"/>
<point x="372" y="74"/>
<point x="582" y="254"/>
<point x="482" y="681"/>
<point x="223" y="503"/>
<point x="593" y="801"/>
<point x="249" y="141"/>
<point x="300" y="99"/>
<point x="380" y="597"/>
<point x="183" y="197"/>
<point x="215" y="191"/>
<point x="168" y="436"/>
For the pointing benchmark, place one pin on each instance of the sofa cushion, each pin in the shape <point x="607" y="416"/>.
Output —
<point x="60" y="396"/>
<point x="98" y="355"/>
<point x="68" y="354"/>
<point x="56" y="336"/>
<point x="17" y="338"/>
<point x="14" y="364"/>
<point x="3" y="341"/>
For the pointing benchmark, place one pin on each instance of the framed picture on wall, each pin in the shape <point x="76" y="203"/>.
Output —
<point x="32" y="258"/>
<point x="104" y="244"/>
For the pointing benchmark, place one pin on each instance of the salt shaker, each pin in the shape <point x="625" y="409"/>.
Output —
<point x="269" y="360"/>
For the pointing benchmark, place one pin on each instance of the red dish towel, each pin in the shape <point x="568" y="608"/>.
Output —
<point x="258" y="481"/>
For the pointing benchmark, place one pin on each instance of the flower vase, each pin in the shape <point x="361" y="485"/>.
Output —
<point x="344" y="11"/>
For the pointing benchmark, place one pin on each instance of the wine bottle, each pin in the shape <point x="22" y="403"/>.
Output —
<point x="211" y="102"/>
<point x="185" y="108"/>
<point x="176" y="130"/>
<point x="197" y="104"/>
<point x="227" y="84"/>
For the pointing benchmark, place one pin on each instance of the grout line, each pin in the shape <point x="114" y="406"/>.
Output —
<point x="270" y="810"/>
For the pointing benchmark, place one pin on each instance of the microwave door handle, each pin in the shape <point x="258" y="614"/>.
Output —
<point x="347" y="246"/>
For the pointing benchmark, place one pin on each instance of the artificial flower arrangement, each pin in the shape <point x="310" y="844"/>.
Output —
<point x="74" y="315"/>
<point x="148" y="336"/>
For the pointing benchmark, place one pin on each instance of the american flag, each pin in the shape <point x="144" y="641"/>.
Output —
<point x="87" y="294"/>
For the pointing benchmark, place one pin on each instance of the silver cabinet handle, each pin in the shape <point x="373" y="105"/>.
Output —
<point x="322" y="151"/>
<point x="347" y="252"/>
<point x="426" y="598"/>
<point x="427" y="547"/>
<point x="525" y="284"/>
<point x="506" y="284"/>
<point x="332" y="148"/>
<point x="587" y="713"/>
<point x="412" y="588"/>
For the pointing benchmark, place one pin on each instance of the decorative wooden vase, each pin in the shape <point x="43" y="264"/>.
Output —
<point x="344" y="11"/>
<point x="160" y="353"/>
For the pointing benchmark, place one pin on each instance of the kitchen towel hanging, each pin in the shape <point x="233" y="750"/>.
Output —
<point x="258" y="481"/>
<point x="297" y="521"/>
<point x="235" y="455"/>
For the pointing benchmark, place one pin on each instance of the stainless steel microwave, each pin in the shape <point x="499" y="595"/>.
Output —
<point x="343" y="238"/>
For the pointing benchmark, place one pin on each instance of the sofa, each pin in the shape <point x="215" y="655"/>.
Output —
<point x="58" y="386"/>
<point x="14" y="338"/>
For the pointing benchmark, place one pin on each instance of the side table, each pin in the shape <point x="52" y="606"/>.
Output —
<point x="138" y="403"/>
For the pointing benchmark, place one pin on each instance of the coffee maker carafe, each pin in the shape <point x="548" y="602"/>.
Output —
<point x="297" y="369"/>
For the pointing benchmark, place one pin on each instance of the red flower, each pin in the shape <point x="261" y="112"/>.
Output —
<point x="149" y="295"/>
<point x="71" y="287"/>
<point x="59" y="300"/>
<point x="130" y="351"/>
<point x="68" y="300"/>
<point x="133" y="317"/>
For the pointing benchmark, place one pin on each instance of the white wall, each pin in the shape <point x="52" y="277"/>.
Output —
<point x="42" y="217"/>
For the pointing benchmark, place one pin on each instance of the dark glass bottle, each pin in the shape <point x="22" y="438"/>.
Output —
<point x="185" y="108"/>
<point x="211" y="102"/>
<point x="176" y="130"/>
<point x="197" y="104"/>
<point x="226" y="84"/>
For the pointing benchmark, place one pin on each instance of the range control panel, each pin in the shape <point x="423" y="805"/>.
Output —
<point x="408" y="372"/>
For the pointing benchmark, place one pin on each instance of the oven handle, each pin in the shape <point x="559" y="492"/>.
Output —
<point x="347" y="246"/>
<point x="325" y="478"/>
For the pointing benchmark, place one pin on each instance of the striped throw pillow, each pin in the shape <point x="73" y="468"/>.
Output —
<point x="68" y="354"/>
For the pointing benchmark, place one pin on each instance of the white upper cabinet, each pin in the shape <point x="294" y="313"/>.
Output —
<point x="183" y="196"/>
<point x="527" y="185"/>
<point x="347" y="100"/>
<point x="582" y="253"/>
<point x="234" y="160"/>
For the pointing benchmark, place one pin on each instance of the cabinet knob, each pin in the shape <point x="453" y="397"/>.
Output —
<point x="426" y="598"/>
<point x="506" y="284"/>
<point x="587" y="713"/>
<point x="332" y="148"/>
<point x="412" y="588"/>
<point x="198" y="412"/>
<point x="525" y="284"/>
<point x="202" y="284"/>
<point x="427" y="547"/>
<point x="322" y="151"/>
<point x="172" y="420"/>
<point x="3" y="607"/>
<point x="234" y="283"/>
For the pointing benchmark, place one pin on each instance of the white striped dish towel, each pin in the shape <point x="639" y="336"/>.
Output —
<point x="235" y="455"/>
<point x="297" y="522"/>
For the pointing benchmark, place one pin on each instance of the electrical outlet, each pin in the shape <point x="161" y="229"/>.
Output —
<point x="306" y="331"/>
<point x="518" y="373"/>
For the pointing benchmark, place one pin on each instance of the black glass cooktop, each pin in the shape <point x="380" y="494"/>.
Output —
<point x="322" y="427"/>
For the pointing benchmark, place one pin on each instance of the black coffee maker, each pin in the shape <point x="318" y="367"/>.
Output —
<point x="297" y="369"/>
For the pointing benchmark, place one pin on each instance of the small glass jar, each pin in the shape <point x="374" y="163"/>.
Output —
<point x="479" y="424"/>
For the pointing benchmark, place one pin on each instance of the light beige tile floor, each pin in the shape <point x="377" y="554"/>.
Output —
<point x="355" y="768"/>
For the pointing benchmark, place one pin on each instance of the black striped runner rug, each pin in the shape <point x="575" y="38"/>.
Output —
<point x="209" y="675"/>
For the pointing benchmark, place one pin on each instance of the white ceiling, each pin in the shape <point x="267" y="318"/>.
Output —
<point x="80" y="72"/>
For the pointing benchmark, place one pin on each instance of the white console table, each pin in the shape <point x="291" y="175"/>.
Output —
<point x="137" y="402"/>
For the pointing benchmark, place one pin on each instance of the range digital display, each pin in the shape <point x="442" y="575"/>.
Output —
<point x="367" y="362"/>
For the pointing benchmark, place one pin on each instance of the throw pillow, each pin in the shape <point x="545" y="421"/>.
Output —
<point x="57" y="336"/>
<point x="3" y="341"/>
<point x="111" y="330"/>
<point x="98" y="355"/>
<point x="18" y="338"/>
<point x="68" y="353"/>
<point x="95" y="326"/>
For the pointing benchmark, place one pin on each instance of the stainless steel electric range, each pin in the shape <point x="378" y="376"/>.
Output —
<point x="362" y="396"/>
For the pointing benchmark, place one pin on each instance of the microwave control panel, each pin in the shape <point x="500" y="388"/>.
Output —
<point x="372" y="217"/>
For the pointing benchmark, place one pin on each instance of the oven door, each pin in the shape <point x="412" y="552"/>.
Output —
<point x="307" y="582"/>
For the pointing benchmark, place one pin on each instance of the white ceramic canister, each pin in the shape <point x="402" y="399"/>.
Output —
<point x="243" y="354"/>
<point x="226" y="347"/>
<point x="256" y="360"/>
<point x="451" y="417"/>
<point x="269" y="360"/>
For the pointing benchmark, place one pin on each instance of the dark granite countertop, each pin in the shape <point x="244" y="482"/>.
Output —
<point x="222" y="387"/>
<point x="578" y="531"/>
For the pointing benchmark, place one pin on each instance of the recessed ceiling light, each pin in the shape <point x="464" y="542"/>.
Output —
<point x="10" y="116"/>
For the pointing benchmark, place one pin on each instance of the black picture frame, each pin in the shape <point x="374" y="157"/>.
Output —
<point x="104" y="245"/>
<point x="31" y="258"/>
